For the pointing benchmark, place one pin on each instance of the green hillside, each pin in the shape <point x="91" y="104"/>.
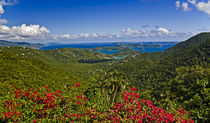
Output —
<point x="19" y="71"/>
<point x="127" y="51"/>
<point x="180" y="75"/>
<point x="25" y="67"/>
<point x="193" y="41"/>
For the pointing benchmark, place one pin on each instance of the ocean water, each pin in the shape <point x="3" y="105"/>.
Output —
<point x="163" y="46"/>
<point x="108" y="51"/>
<point x="82" y="45"/>
<point x="153" y="49"/>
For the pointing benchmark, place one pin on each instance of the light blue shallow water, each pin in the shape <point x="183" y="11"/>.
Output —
<point x="118" y="58"/>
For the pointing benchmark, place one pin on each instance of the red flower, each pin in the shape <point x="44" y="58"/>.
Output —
<point x="79" y="96"/>
<point x="78" y="116"/>
<point x="58" y="91"/>
<point x="84" y="98"/>
<point x="77" y="85"/>
<point x="133" y="89"/>
<point x="18" y="104"/>
<point x="181" y="111"/>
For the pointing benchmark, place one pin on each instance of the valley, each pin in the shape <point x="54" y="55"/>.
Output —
<point x="177" y="76"/>
<point x="104" y="61"/>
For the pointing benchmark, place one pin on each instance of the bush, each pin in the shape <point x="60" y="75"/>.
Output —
<point x="44" y="105"/>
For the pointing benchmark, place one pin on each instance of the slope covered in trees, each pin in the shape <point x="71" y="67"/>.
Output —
<point x="25" y="67"/>
<point x="179" y="75"/>
<point x="19" y="71"/>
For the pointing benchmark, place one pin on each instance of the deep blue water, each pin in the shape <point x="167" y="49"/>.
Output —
<point x="163" y="46"/>
<point x="108" y="51"/>
<point x="83" y="45"/>
<point x="153" y="49"/>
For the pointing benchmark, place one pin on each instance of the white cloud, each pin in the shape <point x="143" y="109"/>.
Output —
<point x="24" y="32"/>
<point x="163" y="30"/>
<point x="66" y="36"/>
<point x="3" y="21"/>
<point x="204" y="7"/>
<point x="41" y="34"/>
<point x="192" y="1"/>
<point x="85" y="37"/>
<point x="30" y="31"/>
<point x="129" y="31"/>
<point x="1" y="9"/>
<point x="185" y="6"/>
<point x="177" y="4"/>
<point x="4" y="29"/>
<point x="156" y="34"/>
<point x="160" y="31"/>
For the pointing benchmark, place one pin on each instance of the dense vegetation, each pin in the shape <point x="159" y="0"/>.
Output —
<point x="43" y="105"/>
<point x="178" y="77"/>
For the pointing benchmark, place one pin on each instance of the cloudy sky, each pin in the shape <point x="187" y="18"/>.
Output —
<point x="70" y="21"/>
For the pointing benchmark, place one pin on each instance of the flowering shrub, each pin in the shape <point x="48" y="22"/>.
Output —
<point x="43" y="104"/>
<point x="40" y="105"/>
<point x="132" y="109"/>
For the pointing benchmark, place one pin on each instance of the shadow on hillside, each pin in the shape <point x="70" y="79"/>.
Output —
<point x="92" y="61"/>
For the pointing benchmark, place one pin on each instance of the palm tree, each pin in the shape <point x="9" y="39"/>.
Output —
<point x="112" y="83"/>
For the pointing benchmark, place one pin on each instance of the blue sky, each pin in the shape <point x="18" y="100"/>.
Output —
<point x="69" y="21"/>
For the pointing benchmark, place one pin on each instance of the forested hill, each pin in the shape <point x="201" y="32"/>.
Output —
<point x="190" y="56"/>
<point x="181" y="75"/>
<point x="193" y="41"/>
<point x="26" y="67"/>
<point x="18" y="71"/>
<point x="194" y="51"/>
